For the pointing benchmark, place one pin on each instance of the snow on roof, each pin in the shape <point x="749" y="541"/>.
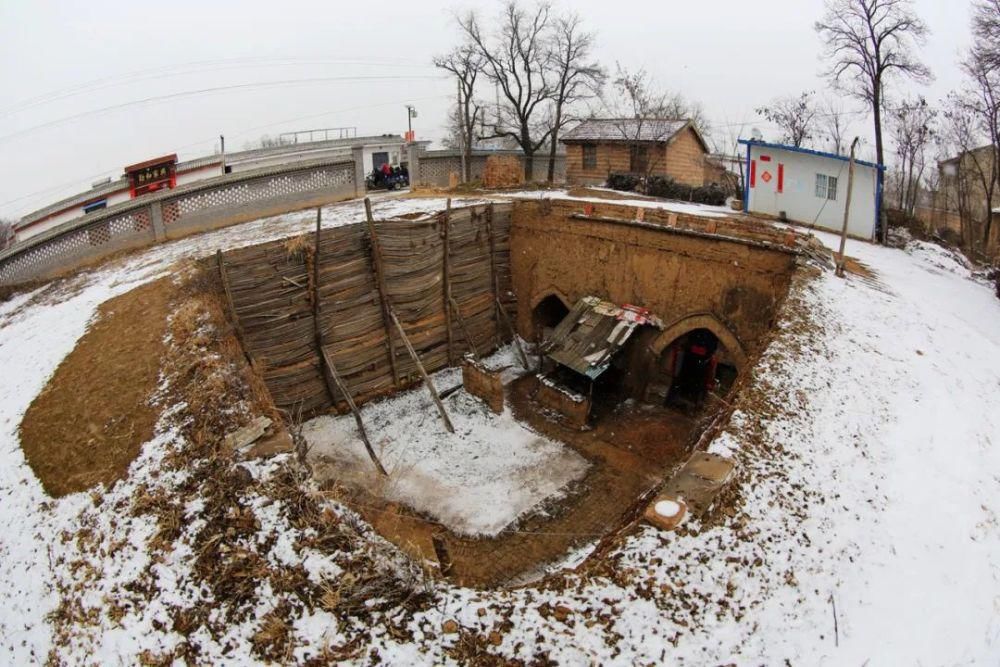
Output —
<point x="626" y="129"/>
<point x="807" y="151"/>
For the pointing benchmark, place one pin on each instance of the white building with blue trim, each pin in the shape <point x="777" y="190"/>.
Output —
<point x="810" y="188"/>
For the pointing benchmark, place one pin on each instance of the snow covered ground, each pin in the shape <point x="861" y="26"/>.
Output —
<point x="478" y="480"/>
<point x="37" y="330"/>
<point x="865" y="530"/>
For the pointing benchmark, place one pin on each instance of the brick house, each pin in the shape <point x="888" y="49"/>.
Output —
<point x="962" y="199"/>
<point x="642" y="146"/>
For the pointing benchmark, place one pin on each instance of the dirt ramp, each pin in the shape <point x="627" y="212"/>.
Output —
<point x="88" y="424"/>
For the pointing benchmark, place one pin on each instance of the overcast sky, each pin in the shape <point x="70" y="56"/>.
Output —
<point x="62" y="64"/>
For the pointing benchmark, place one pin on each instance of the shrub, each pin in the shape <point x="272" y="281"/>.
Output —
<point x="667" y="188"/>
<point x="626" y="182"/>
<point x="713" y="194"/>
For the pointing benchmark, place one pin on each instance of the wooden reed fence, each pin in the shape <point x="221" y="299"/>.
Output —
<point x="320" y="294"/>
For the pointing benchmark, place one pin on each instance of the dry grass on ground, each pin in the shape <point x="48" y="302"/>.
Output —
<point x="88" y="423"/>
<point x="210" y="391"/>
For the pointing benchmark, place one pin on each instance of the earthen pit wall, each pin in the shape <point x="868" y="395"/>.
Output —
<point x="574" y="413"/>
<point x="484" y="384"/>
<point x="269" y="286"/>
<point x="676" y="276"/>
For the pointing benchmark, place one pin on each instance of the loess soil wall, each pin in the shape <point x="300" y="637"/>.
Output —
<point x="725" y="274"/>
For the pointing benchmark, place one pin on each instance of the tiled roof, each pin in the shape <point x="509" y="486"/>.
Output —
<point x="626" y="129"/>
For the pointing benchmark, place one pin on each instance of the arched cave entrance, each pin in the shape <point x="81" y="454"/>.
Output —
<point x="690" y="370"/>
<point x="549" y="312"/>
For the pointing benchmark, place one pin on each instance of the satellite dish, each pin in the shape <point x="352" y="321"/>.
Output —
<point x="756" y="134"/>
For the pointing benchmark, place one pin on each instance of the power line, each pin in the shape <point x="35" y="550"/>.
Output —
<point x="203" y="91"/>
<point x="240" y="133"/>
<point x="189" y="68"/>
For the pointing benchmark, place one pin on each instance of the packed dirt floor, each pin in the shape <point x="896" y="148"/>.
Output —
<point x="90" y="421"/>
<point x="631" y="449"/>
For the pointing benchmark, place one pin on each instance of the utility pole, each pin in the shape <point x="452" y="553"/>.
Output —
<point x="411" y="113"/>
<point x="842" y="259"/>
<point x="222" y="147"/>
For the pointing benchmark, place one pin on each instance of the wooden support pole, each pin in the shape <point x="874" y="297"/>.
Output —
<point x="376" y="256"/>
<point x="313" y="284"/>
<point x="513" y="334"/>
<point x="446" y="283"/>
<point x="354" y="409"/>
<point x="842" y="258"/>
<point x="465" y="330"/>
<point x="423" y="373"/>
<point x="494" y="280"/>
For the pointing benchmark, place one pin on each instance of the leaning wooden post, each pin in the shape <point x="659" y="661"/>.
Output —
<point x="354" y="409"/>
<point x="465" y="330"/>
<point x="446" y="283"/>
<point x="513" y="335"/>
<point x="842" y="260"/>
<point x="376" y="255"/>
<point x="423" y="372"/>
<point x="314" y="297"/>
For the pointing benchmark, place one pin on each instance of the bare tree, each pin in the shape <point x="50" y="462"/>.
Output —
<point x="726" y="143"/>
<point x="7" y="234"/>
<point x="982" y="69"/>
<point x="972" y="123"/>
<point x="578" y="77"/>
<point x="466" y="63"/>
<point x="969" y="172"/>
<point x="833" y="121"/>
<point x="794" y="115"/>
<point x="267" y="141"/>
<point x="868" y="42"/>
<point x="986" y="31"/>
<point x="515" y="59"/>
<point x="675" y="105"/>
<point x="643" y="115"/>
<point x="912" y="124"/>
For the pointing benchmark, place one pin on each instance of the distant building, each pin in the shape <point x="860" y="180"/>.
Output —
<point x="810" y="187"/>
<point x="673" y="148"/>
<point x="166" y="172"/>
<point x="962" y="197"/>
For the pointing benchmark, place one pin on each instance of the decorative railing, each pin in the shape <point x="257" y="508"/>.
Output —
<point x="200" y="206"/>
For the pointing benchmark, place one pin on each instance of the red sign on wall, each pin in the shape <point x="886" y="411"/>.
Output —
<point x="152" y="175"/>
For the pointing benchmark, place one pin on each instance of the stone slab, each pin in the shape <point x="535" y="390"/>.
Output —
<point x="696" y="485"/>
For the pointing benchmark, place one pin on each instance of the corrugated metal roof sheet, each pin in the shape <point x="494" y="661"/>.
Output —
<point x="626" y="129"/>
<point x="593" y="332"/>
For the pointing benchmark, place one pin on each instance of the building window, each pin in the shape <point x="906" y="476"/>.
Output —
<point x="95" y="206"/>
<point x="590" y="157"/>
<point x="826" y="187"/>
<point x="638" y="159"/>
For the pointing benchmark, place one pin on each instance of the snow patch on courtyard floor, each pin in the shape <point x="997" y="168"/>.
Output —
<point x="479" y="480"/>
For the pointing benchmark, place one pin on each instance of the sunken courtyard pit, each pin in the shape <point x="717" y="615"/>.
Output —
<point x="492" y="387"/>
